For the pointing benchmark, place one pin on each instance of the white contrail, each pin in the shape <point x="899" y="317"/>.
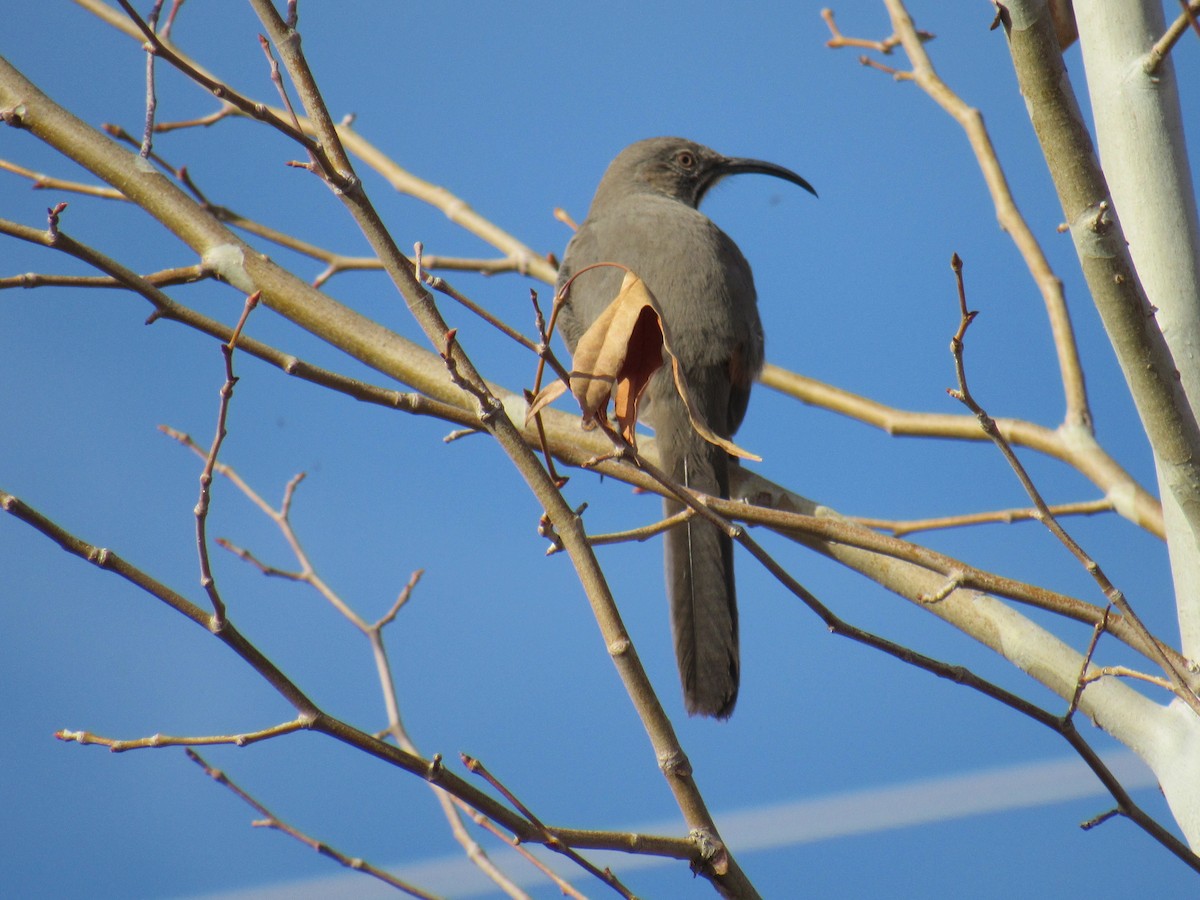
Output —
<point x="926" y="800"/>
<point x="760" y="828"/>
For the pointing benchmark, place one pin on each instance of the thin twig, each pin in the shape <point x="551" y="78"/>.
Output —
<point x="277" y="80"/>
<point x="163" y="278"/>
<point x="1077" y="413"/>
<point x="1099" y="820"/>
<point x="339" y="264"/>
<point x="1062" y="725"/>
<point x="151" y="95"/>
<point x="47" y="182"/>
<point x="1126" y="672"/>
<point x="561" y="883"/>
<point x="421" y="262"/>
<point x="902" y="527"/>
<point x="401" y="600"/>
<point x="895" y="73"/>
<point x="224" y="111"/>
<point x="156" y="741"/>
<point x="207" y="581"/>
<point x="838" y="40"/>
<point x="224" y="92"/>
<point x="165" y="31"/>
<point x="552" y="841"/>
<point x="1045" y="516"/>
<point x="270" y="820"/>
<point x="1081" y="451"/>
<point x="1081" y="681"/>
<point x="1171" y="36"/>
<point x="644" y="533"/>
<point x="824" y="529"/>
<point x="166" y="308"/>
<point x="308" y="575"/>
<point x="545" y="330"/>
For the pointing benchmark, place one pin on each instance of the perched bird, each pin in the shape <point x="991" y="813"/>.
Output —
<point x="645" y="216"/>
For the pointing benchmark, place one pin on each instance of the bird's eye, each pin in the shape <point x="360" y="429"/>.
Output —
<point x="686" y="159"/>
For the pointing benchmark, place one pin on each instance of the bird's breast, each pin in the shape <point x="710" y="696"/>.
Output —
<point x="700" y="279"/>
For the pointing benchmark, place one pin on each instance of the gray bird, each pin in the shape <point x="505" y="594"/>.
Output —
<point x="645" y="216"/>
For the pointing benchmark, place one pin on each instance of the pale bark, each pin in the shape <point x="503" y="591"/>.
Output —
<point x="1134" y="227"/>
<point x="1139" y="129"/>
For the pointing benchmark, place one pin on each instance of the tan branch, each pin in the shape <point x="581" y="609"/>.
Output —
<point x="454" y="208"/>
<point x="270" y="820"/>
<point x="1163" y="46"/>
<point x="1103" y="250"/>
<point x="711" y="857"/>
<point x="902" y="527"/>
<point x="645" y="532"/>
<point x="552" y="840"/>
<point x="310" y="716"/>
<point x="870" y="553"/>
<point x="308" y="574"/>
<point x="1115" y="597"/>
<point x="158" y="741"/>
<point x="838" y="40"/>
<point x="47" y="182"/>
<point x="1125" y="672"/>
<point x="161" y="279"/>
<point x="1078" y="414"/>
<point x="487" y="825"/>
<point x="1075" y="447"/>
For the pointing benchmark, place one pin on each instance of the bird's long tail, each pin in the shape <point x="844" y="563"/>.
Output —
<point x="700" y="587"/>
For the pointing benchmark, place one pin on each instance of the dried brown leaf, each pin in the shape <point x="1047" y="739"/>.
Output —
<point x="544" y="398"/>
<point x="615" y="359"/>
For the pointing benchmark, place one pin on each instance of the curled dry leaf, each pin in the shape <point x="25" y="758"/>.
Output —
<point x="615" y="359"/>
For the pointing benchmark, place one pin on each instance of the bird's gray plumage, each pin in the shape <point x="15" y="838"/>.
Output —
<point x="644" y="216"/>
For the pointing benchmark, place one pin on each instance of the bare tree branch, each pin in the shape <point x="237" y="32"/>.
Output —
<point x="156" y="741"/>
<point x="1078" y="414"/>
<point x="270" y="820"/>
<point x="899" y="528"/>
<point x="1076" y="448"/>
<point x="1104" y="254"/>
<point x="1115" y="597"/>
<point x="958" y="593"/>
<point x="1172" y="35"/>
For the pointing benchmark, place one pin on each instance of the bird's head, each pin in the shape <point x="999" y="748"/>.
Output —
<point x="680" y="169"/>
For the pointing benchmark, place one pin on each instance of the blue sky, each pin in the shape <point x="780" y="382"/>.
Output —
<point x="517" y="109"/>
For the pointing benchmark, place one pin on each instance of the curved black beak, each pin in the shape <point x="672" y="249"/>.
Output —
<point x="736" y="165"/>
